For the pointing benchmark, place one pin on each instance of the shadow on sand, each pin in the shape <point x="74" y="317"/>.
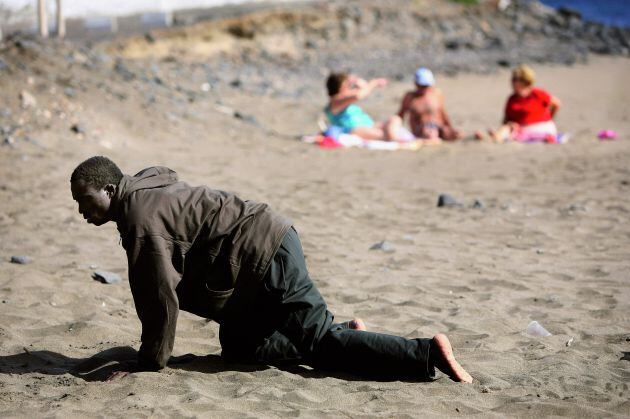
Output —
<point x="100" y="366"/>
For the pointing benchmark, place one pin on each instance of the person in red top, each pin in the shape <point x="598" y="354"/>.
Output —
<point x="529" y="111"/>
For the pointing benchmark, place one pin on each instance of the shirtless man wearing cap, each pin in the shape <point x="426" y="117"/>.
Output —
<point x="427" y="117"/>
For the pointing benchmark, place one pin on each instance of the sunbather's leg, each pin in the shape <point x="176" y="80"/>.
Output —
<point x="393" y="127"/>
<point x="502" y="134"/>
<point x="375" y="132"/>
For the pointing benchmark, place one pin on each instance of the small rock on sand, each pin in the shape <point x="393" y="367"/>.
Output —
<point x="384" y="246"/>
<point x="27" y="100"/>
<point x="21" y="260"/>
<point x="446" y="200"/>
<point x="78" y="128"/>
<point x="478" y="204"/>
<point x="106" y="277"/>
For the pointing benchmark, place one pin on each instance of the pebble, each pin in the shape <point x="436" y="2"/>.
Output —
<point x="21" y="260"/>
<point x="70" y="92"/>
<point x="8" y="141"/>
<point x="384" y="246"/>
<point x="478" y="204"/>
<point x="124" y="72"/>
<point x="27" y="100"/>
<point x="576" y="207"/>
<point x="446" y="200"/>
<point x="78" y="128"/>
<point x="250" y="119"/>
<point x="106" y="277"/>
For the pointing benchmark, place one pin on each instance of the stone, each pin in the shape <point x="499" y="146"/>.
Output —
<point x="124" y="72"/>
<point x="576" y="207"/>
<point x="70" y="92"/>
<point x="250" y="119"/>
<point x="149" y="38"/>
<point x="446" y="200"/>
<point x="383" y="246"/>
<point x="78" y="128"/>
<point x="27" y="100"/>
<point x="478" y="204"/>
<point x="106" y="277"/>
<point x="21" y="260"/>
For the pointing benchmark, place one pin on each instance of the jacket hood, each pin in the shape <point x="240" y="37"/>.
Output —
<point x="149" y="178"/>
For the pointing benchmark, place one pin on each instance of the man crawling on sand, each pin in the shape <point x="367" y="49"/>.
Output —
<point x="239" y="263"/>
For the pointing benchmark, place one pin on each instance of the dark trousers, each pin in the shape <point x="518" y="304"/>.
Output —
<point x="286" y="321"/>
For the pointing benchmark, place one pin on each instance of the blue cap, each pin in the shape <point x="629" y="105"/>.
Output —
<point x="424" y="77"/>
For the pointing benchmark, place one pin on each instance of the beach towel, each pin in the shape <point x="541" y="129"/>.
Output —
<point x="353" y="141"/>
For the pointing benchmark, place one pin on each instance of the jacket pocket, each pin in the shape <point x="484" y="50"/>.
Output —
<point x="215" y="301"/>
<point x="219" y="294"/>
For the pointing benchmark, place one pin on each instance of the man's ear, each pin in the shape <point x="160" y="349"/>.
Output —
<point x="110" y="189"/>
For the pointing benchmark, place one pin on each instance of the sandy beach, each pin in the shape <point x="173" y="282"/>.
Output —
<point x="550" y="244"/>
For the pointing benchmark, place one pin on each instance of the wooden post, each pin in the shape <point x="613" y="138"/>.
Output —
<point x="42" y="15"/>
<point x="61" y="21"/>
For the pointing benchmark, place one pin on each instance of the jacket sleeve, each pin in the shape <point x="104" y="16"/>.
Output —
<point x="153" y="280"/>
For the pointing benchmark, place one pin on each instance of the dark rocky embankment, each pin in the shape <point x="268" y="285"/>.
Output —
<point x="283" y="52"/>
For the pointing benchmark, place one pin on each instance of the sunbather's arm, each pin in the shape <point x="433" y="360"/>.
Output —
<point x="404" y="106"/>
<point x="554" y="105"/>
<point x="445" y="118"/>
<point x="361" y="90"/>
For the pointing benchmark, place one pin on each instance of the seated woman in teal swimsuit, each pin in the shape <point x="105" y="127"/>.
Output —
<point x="344" y="91"/>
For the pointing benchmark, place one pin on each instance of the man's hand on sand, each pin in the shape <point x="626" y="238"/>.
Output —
<point x="116" y="375"/>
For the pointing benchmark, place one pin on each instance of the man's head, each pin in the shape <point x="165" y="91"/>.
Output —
<point x="93" y="184"/>
<point x="424" y="78"/>
<point x="336" y="82"/>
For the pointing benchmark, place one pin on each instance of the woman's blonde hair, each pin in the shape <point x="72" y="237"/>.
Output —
<point x="525" y="74"/>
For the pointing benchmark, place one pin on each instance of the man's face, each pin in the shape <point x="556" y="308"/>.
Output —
<point x="421" y="89"/>
<point x="93" y="203"/>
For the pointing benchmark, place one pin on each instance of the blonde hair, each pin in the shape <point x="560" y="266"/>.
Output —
<point x="525" y="74"/>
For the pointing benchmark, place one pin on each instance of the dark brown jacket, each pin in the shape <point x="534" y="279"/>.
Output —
<point x="188" y="248"/>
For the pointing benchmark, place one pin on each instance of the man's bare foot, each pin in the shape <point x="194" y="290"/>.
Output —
<point x="444" y="360"/>
<point x="357" y="324"/>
